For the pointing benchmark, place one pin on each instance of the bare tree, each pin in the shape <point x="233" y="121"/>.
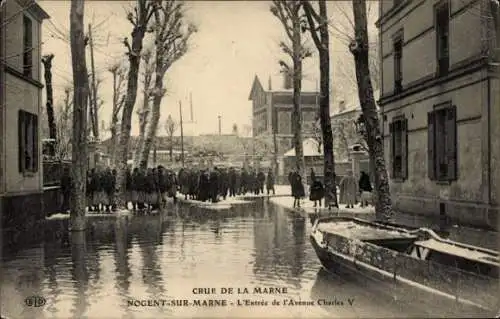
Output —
<point x="170" y="127"/>
<point x="80" y="95"/>
<point x="118" y="71"/>
<point x="288" y="13"/>
<point x="47" y="64"/>
<point x="318" y="27"/>
<point x="235" y="129"/>
<point x="144" y="112"/>
<point x="359" y="48"/>
<point x="64" y="124"/>
<point x="171" y="43"/>
<point x="139" y="19"/>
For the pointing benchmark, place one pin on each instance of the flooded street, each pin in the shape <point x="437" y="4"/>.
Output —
<point x="121" y="263"/>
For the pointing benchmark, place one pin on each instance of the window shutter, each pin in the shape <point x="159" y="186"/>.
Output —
<point x="20" y="136"/>
<point x="35" y="143"/>
<point x="404" y="148"/>
<point x="431" y="128"/>
<point x="451" y="142"/>
<point x="391" y="149"/>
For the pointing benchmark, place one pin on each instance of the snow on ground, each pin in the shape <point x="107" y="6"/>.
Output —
<point x="362" y="232"/>
<point x="123" y="212"/>
<point x="308" y="206"/>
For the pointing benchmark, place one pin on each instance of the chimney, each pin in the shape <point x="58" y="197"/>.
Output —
<point x="341" y="106"/>
<point x="287" y="80"/>
<point x="269" y="85"/>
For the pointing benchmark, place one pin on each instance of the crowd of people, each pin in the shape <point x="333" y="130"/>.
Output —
<point x="351" y="191"/>
<point x="211" y="185"/>
<point x="148" y="189"/>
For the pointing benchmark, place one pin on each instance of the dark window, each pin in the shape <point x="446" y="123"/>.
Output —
<point x="28" y="142"/>
<point x="398" y="65"/>
<point x="27" y="47"/>
<point x="442" y="143"/>
<point x="442" y="37"/>
<point x="399" y="148"/>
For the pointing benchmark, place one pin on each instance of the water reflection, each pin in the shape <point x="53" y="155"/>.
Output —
<point x="79" y="273"/>
<point x="95" y="274"/>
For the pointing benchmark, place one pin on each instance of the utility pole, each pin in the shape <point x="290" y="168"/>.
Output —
<point x="93" y="108"/>
<point x="182" y="134"/>
<point x="220" y="127"/>
<point x="191" y="106"/>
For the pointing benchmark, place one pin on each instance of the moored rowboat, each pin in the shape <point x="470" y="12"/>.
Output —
<point x="411" y="264"/>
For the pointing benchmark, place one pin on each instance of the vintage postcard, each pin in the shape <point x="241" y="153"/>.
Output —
<point x="249" y="159"/>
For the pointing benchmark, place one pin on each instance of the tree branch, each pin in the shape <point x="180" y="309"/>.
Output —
<point x="309" y="10"/>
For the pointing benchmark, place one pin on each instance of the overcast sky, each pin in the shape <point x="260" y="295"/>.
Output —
<point x="235" y="41"/>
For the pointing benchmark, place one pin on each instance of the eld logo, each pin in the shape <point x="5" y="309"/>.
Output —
<point x="35" y="301"/>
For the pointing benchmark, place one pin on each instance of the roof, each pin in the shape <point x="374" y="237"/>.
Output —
<point x="351" y="104"/>
<point x="275" y="84"/>
<point x="256" y="85"/>
<point x="34" y="8"/>
<point x="309" y="148"/>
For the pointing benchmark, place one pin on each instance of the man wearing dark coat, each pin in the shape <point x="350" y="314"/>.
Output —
<point x="232" y="181"/>
<point x="214" y="184"/>
<point x="223" y="183"/>
<point x="108" y="187"/>
<point x="203" y="186"/>
<point x="162" y="186"/>
<point x="270" y="181"/>
<point x="135" y="187"/>
<point x="66" y="189"/>
<point x="244" y="181"/>
<point x="261" y="179"/>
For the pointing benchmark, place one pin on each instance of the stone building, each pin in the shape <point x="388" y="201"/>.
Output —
<point x="272" y="113"/>
<point x="21" y="182"/>
<point x="439" y="102"/>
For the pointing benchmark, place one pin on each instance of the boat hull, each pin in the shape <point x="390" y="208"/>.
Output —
<point x="367" y="277"/>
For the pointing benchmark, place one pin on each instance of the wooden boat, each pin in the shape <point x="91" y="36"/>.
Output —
<point x="411" y="264"/>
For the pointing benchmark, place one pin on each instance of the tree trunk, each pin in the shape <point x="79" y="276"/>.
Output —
<point x="297" y="113"/>
<point x="128" y="108"/>
<point x="47" y="64"/>
<point x="79" y="148"/>
<point x="383" y="205"/>
<point x="324" y="105"/>
<point x="155" y="119"/>
<point x="171" y="148"/>
<point x="95" y="111"/>
<point x="114" y="139"/>
<point x="143" y="121"/>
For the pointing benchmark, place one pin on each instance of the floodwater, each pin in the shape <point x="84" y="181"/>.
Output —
<point x="122" y="263"/>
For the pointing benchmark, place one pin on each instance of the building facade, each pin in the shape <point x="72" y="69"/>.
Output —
<point x="21" y="178"/>
<point x="440" y="108"/>
<point x="272" y="113"/>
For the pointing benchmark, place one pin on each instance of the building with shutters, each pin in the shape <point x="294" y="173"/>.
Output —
<point x="21" y="182"/>
<point x="440" y="108"/>
<point x="272" y="112"/>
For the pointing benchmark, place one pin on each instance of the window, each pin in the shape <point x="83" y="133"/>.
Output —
<point x="442" y="37"/>
<point x="398" y="66"/>
<point x="442" y="143"/>
<point x="399" y="148"/>
<point x="28" y="142"/>
<point x="27" y="47"/>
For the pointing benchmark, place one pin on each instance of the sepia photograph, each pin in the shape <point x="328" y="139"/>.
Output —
<point x="249" y="159"/>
